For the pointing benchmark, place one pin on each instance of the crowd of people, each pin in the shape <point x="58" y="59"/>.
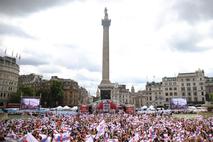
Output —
<point x="107" y="128"/>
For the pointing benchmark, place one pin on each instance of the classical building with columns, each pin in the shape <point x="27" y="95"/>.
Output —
<point x="9" y="72"/>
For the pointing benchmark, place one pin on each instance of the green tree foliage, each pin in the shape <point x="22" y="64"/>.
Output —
<point x="56" y="93"/>
<point x="45" y="95"/>
<point x="211" y="97"/>
<point x="22" y="91"/>
<point x="26" y="91"/>
<point x="15" y="98"/>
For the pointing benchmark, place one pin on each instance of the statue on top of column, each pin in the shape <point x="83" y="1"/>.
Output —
<point x="106" y="14"/>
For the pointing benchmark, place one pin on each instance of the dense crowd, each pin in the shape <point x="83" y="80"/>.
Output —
<point x="108" y="128"/>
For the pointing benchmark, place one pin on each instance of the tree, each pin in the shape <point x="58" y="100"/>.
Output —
<point x="15" y="98"/>
<point x="45" y="97"/>
<point x="22" y="91"/>
<point x="26" y="91"/>
<point x="56" y="92"/>
<point x="211" y="97"/>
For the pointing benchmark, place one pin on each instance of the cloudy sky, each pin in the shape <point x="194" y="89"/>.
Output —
<point x="149" y="39"/>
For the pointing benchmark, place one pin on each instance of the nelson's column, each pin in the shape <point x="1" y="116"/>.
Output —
<point x="105" y="86"/>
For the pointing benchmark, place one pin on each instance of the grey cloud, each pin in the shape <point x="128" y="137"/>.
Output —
<point x="25" y="7"/>
<point x="49" y="69"/>
<point x="33" y="61"/>
<point x="84" y="63"/>
<point x="84" y="78"/>
<point x="6" y="29"/>
<point x="193" y="10"/>
<point x="187" y="42"/>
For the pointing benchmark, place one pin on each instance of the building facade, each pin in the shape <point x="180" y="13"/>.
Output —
<point x="73" y="94"/>
<point x="154" y="94"/>
<point x="191" y="86"/>
<point x="31" y="80"/>
<point x="139" y="98"/>
<point x="9" y="73"/>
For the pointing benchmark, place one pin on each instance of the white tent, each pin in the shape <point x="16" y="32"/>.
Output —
<point x="74" y="108"/>
<point x="144" y="107"/>
<point x="66" y="108"/>
<point x="59" y="108"/>
<point x="151" y="107"/>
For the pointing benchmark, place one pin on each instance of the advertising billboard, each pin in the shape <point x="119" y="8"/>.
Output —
<point x="178" y="103"/>
<point x="30" y="103"/>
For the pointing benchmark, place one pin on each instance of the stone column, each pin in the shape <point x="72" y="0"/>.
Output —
<point x="105" y="61"/>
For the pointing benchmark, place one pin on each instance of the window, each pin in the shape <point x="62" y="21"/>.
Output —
<point x="194" y="84"/>
<point x="171" y="93"/>
<point x="202" y="93"/>
<point x="175" y="93"/>
<point x="170" y="88"/>
<point x="182" y="88"/>
<point x="175" y="88"/>
<point x="166" y="89"/>
<point x="189" y="94"/>
<point x="203" y="99"/>
<point x="201" y="88"/>
<point x="190" y="99"/>
<point x="194" y="88"/>
<point x="167" y="99"/>
<point x="195" y="93"/>
<point x="150" y="98"/>
<point x="188" y="89"/>
<point x="182" y="84"/>
<point x="188" y="79"/>
<point x="195" y="99"/>
<point x="188" y="84"/>
<point x="166" y="94"/>
<point x="183" y="94"/>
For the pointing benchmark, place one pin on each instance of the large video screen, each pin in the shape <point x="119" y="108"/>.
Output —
<point x="30" y="103"/>
<point x="178" y="103"/>
<point x="105" y="94"/>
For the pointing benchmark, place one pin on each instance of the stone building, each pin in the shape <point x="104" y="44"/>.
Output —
<point x="73" y="94"/>
<point x="139" y="98"/>
<point x="170" y="89"/>
<point x="191" y="86"/>
<point x="121" y="94"/>
<point x="9" y="72"/>
<point x="31" y="80"/>
<point x="154" y="94"/>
